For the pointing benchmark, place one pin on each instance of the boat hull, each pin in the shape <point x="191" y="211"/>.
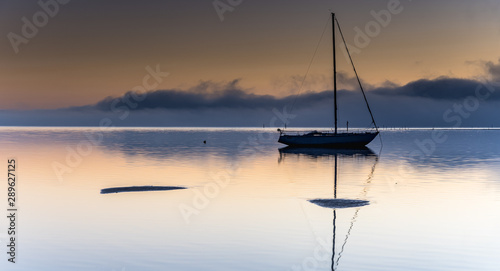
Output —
<point x="330" y="140"/>
<point x="325" y="152"/>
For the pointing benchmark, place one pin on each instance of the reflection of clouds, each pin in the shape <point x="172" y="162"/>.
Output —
<point x="462" y="148"/>
<point x="339" y="203"/>
<point x="156" y="143"/>
<point x="150" y="188"/>
<point x="167" y="143"/>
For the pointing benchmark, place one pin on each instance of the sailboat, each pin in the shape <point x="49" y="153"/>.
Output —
<point x="333" y="139"/>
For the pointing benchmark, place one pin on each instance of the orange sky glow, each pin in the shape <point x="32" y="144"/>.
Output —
<point x="88" y="51"/>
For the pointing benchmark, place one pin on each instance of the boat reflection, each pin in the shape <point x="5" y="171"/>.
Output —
<point x="315" y="153"/>
<point x="335" y="203"/>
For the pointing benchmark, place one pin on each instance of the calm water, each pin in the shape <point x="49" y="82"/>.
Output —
<point x="246" y="206"/>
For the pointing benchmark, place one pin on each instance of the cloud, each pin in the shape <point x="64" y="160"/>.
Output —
<point x="493" y="70"/>
<point x="421" y="103"/>
<point x="442" y="88"/>
<point x="212" y="96"/>
<point x="350" y="82"/>
<point x="206" y="95"/>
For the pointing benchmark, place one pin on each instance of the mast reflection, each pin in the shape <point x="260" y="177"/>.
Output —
<point x="336" y="203"/>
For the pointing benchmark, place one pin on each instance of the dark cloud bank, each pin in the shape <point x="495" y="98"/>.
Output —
<point x="441" y="102"/>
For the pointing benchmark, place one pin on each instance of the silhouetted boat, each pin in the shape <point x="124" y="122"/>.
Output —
<point x="332" y="139"/>
<point x="361" y="151"/>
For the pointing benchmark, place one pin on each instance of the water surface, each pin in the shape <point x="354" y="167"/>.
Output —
<point x="432" y="205"/>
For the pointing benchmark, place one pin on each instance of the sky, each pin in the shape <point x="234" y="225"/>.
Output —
<point x="226" y="63"/>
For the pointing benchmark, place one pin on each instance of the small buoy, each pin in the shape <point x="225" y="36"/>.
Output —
<point x="204" y="142"/>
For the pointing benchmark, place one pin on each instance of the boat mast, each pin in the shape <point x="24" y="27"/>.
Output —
<point x="334" y="72"/>
<point x="334" y="213"/>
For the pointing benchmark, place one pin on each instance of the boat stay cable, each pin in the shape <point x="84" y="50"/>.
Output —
<point x="355" y="216"/>
<point x="356" y="73"/>
<point x="309" y="67"/>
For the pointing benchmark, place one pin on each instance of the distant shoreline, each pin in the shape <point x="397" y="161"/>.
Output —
<point x="248" y="128"/>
